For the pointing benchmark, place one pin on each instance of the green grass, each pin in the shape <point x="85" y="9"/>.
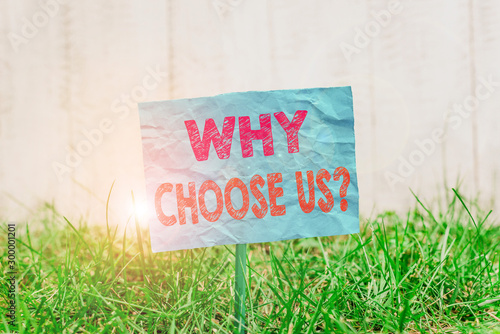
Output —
<point x="422" y="272"/>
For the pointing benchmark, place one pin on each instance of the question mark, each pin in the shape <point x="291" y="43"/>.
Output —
<point x="346" y="179"/>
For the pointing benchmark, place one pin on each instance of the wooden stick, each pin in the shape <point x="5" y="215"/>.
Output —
<point x="240" y="287"/>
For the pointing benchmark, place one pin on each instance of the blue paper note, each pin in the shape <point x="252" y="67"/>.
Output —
<point x="250" y="167"/>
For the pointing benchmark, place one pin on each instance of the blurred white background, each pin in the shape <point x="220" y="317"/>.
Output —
<point x="425" y="78"/>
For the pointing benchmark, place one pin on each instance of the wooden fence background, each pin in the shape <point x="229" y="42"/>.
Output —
<point x="70" y="67"/>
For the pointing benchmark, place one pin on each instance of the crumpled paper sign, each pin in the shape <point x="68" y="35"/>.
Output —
<point x="276" y="173"/>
